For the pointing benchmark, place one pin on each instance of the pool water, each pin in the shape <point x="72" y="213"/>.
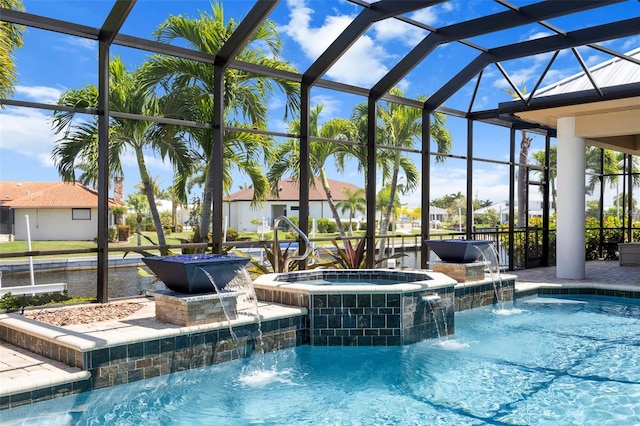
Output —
<point x="359" y="281"/>
<point x="541" y="361"/>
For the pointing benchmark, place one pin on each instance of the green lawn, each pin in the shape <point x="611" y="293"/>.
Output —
<point x="20" y="246"/>
<point x="172" y="239"/>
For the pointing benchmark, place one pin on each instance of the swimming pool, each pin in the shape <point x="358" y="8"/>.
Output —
<point x="569" y="360"/>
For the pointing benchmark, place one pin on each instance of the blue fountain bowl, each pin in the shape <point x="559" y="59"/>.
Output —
<point x="187" y="273"/>
<point x="457" y="251"/>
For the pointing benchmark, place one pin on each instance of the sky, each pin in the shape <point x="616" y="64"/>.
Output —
<point x="51" y="63"/>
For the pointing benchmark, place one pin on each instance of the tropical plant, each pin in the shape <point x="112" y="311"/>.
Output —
<point x="118" y="212"/>
<point x="539" y="160"/>
<point x="354" y="203"/>
<point x="277" y="260"/>
<point x="350" y="257"/>
<point x="245" y="96"/>
<point x="79" y="143"/>
<point x="287" y="156"/>
<point x="523" y="169"/>
<point x="400" y="128"/>
<point x="140" y="205"/>
<point x="10" y="40"/>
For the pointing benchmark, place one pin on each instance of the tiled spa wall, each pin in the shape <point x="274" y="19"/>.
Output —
<point x="379" y="319"/>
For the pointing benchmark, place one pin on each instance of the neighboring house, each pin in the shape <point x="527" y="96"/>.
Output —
<point x="240" y="213"/>
<point x="182" y="211"/>
<point x="437" y="215"/>
<point x="56" y="210"/>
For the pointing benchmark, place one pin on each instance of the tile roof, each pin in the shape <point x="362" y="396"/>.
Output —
<point x="47" y="195"/>
<point x="289" y="191"/>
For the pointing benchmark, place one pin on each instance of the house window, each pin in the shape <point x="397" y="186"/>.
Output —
<point x="80" y="214"/>
<point x="294" y="208"/>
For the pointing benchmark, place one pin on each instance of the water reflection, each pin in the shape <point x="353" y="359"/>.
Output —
<point x="123" y="282"/>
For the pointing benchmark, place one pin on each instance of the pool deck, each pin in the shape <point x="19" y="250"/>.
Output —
<point x="23" y="371"/>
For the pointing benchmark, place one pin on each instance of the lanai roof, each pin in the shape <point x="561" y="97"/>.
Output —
<point x="609" y="123"/>
<point x="614" y="72"/>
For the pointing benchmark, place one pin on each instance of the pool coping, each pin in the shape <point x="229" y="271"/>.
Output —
<point x="527" y="289"/>
<point x="439" y="281"/>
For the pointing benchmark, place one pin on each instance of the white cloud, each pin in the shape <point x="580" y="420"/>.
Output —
<point x="489" y="184"/>
<point x="427" y="16"/>
<point x="82" y="43"/>
<point x="539" y="34"/>
<point x="331" y="106"/>
<point x="300" y="30"/>
<point x="396" y="31"/>
<point x="27" y="132"/>
<point x="519" y="76"/>
<point x="42" y="94"/>
<point x="593" y="60"/>
<point x="362" y="64"/>
<point x="631" y="43"/>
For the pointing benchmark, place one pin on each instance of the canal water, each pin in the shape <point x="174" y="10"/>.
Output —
<point x="124" y="281"/>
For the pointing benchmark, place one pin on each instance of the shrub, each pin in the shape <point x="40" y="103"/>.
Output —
<point x="9" y="302"/>
<point x="113" y="234"/>
<point x="131" y="220"/>
<point x="232" y="234"/>
<point x="326" y="226"/>
<point x="124" y="231"/>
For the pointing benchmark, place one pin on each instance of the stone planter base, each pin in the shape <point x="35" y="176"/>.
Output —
<point x="189" y="309"/>
<point x="461" y="272"/>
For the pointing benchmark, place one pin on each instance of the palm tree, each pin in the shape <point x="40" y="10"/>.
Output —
<point x="354" y="203"/>
<point x="287" y="156"/>
<point x="539" y="160"/>
<point x="613" y="166"/>
<point x="523" y="170"/>
<point x="78" y="146"/>
<point x="140" y="205"/>
<point x="10" y="39"/>
<point x="400" y="128"/>
<point x="245" y="95"/>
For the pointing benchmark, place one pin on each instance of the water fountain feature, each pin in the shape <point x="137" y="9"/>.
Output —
<point x="490" y="259"/>
<point x="432" y="299"/>
<point x="467" y="261"/>
<point x="196" y="287"/>
<point x="186" y="273"/>
<point x="247" y="306"/>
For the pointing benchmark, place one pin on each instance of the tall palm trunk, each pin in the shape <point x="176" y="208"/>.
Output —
<point x="147" y="186"/>
<point x="207" y="206"/>
<point x="332" y="204"/>
<point x="523" y="201"/>
<point x="384" y="226"/>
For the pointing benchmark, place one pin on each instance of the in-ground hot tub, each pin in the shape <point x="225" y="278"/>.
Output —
<point x="366" y="307"/>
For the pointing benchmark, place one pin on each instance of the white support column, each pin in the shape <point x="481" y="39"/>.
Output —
<point x="570" y="237"/>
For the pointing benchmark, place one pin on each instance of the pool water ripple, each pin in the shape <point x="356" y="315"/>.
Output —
<point x="556" y="361"/>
